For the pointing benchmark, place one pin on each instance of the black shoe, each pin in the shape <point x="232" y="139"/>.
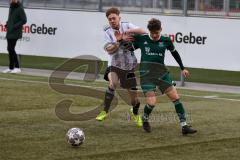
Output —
<point x="188" y="130"/>
<point x="146" y="126"/>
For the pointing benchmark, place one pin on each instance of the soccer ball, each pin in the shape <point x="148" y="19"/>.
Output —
<point x="75" y="136"/>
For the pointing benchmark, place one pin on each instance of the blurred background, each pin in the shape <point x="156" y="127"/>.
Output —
<point x="220" y="8"/>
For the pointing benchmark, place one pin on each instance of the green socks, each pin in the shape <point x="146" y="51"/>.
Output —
<point x="180" y="112"/>
<point x="147" y="111"/>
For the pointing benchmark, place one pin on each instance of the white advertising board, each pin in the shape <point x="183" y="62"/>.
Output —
<point x="202" y="42"/>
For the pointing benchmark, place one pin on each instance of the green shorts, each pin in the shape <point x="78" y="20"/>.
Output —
<point x="150" y="83"/>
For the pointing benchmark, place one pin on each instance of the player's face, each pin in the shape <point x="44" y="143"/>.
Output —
<point x="114" y="20"/>
<point x="14" y="1"/>
<point x="155" y="35"/>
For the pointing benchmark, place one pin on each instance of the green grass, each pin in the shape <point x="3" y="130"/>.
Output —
<point x="30" y="129"/>
<point x="209" y="76"/>
<point x="50" y="63"/>
<point x="197" y="75"/>
<point x="35" y="61"/>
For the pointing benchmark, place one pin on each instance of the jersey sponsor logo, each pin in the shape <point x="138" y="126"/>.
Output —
<point x="147" y="49"/>
<point x="147" y="52"/>
<point x="188" y="39"/>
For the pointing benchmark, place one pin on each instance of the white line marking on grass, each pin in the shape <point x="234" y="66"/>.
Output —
<point x="78" y="85"/>
<point x="21" y="80"/>
<point x="209" y="97"/>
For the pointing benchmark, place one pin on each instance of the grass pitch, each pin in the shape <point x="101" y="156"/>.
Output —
<point x="30" y="129"/>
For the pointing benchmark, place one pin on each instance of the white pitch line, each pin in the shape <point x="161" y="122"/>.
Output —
<point x="77" y="85"/>
<point x="210" y="97"/>
<point x="21" y="80"/>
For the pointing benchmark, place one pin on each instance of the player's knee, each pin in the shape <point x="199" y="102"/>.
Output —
<point x="151" y="101"/>
<point x="174" y="97"/>
<point x="113" y="85"/>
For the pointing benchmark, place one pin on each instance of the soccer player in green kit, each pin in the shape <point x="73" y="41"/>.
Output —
<point x="153" y="72"/>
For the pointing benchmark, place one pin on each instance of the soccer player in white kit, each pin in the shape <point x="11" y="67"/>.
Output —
<point x="121" y="62"/>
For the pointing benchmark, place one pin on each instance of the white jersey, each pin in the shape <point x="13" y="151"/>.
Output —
<point x="123" y="58"/>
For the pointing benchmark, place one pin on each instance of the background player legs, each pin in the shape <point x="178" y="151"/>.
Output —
<point x="13" y="59"/>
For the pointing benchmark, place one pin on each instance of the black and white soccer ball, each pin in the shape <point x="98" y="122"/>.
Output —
<point x="75" y="136"/>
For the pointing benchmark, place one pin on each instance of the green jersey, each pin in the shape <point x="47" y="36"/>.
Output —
<point x="153" y="71"/>
<point x="153" y="51"/>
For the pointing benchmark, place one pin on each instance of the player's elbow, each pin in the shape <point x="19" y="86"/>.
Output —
<point x="109" y="51"/>
<point x="111" y="48"/>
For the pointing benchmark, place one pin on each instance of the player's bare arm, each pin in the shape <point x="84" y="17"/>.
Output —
<point x="111" y="48"/>
<point x="123" y="37"/>
<point x="136" y="31"/>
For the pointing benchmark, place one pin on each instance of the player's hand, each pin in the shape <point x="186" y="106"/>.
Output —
<point x="127" y="37"/>
<point x="185" y="73"/>
<point x="118" y="35"/>
<point x="129" y="32"/>
<point x="123" y="37"/>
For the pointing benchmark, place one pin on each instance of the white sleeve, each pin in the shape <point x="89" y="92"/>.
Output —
<point x="108" y="38"/>
<point x="132" y="26"/>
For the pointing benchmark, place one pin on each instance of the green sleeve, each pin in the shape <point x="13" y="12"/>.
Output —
<point x="170" y="45"/>
<point x="136" y="41"/>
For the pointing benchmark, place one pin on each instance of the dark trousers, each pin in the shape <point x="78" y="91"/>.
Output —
<point x="13" y="58"/>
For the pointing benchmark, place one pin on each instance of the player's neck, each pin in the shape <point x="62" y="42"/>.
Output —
<point x="153" y="39"/>
<point x="116" y="28"/>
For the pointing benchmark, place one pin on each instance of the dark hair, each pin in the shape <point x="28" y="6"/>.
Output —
<point x="112" y="10"/>
<point x="154" y="24"/>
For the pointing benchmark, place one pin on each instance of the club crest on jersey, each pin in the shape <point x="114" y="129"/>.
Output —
<point x="160" y="44"/>
<point x="145" y="43"/>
